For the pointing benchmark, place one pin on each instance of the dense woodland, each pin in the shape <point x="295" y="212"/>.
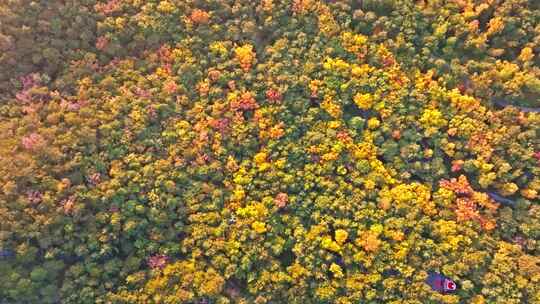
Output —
<point x="269" y="151"/>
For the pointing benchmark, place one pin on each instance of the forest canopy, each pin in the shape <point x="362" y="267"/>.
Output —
<point x="269" y="151"/>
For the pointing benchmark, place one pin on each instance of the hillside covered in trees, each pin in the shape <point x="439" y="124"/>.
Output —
<point x="269" y="151"/>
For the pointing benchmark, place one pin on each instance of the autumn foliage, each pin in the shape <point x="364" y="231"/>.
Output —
<point x="234" y="151"/>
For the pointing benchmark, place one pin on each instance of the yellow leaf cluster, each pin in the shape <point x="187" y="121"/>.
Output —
<point x="364" y="101"/>
<point x="245" y="56"/>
